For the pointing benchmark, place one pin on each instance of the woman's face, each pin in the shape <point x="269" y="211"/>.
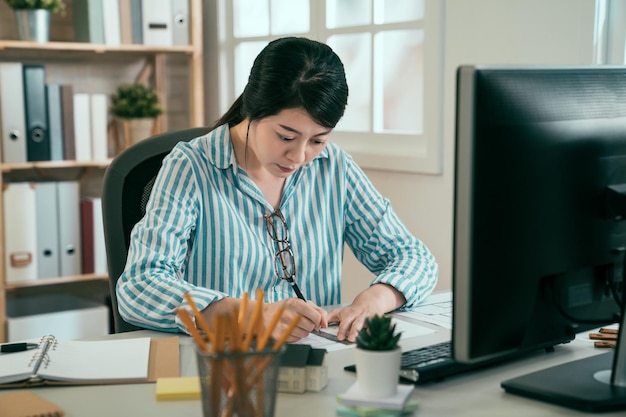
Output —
<point x="287" y="141"/>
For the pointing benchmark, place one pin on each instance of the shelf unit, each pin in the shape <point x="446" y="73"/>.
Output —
<point x="153" y="66"/>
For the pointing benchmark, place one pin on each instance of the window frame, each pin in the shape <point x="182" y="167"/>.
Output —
<point x="421" y="153"/>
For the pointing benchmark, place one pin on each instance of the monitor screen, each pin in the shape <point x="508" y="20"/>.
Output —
<point x="540" y="182"/>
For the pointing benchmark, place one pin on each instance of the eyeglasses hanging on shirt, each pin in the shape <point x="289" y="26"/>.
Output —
<point x="284" y="263"/>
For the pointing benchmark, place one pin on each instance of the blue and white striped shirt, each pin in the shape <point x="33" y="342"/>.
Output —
<point x="204" y="232"/>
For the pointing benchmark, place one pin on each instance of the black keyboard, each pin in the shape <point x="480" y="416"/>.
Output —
<point x="428" y="363"/>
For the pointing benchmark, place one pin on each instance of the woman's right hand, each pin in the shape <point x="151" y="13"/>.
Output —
<point x="312" y="317"/>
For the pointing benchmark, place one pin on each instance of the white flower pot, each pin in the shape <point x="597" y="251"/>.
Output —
<point x="377" y="372"/>
<point x="33" y="24"/>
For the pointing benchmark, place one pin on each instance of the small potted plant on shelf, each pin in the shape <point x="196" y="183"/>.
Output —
<point x="33" y="17"/>
<point x="136" y="106"/>
<point x="378" y="357"/>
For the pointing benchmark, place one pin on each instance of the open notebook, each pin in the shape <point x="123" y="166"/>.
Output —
<point x="78" y="362"/>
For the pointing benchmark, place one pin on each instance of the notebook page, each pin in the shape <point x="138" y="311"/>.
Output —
<point x="106" y="360"/>
<point x="17" y="366"/>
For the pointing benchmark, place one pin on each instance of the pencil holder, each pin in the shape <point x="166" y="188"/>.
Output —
<point x="242" y="384"/>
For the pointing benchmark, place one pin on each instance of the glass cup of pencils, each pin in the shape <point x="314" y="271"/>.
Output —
<point x="239" y="383"/>
<point x="238" y="361"/>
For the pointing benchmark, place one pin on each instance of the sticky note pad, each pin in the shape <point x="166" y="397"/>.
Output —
<point x="182" y="388"/>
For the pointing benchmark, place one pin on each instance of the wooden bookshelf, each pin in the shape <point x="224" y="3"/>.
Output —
<point x="46" y="282"/>
<point x="150" y="63"/>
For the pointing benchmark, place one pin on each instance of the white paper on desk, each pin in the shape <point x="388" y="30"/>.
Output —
<point x="437" y="309"/>
<point x="408" y="330"/>
<point x="102" y="360"/>
<point x="80" y="360"/>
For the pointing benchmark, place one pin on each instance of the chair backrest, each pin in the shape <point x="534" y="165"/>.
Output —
<point x="126" y="188"/>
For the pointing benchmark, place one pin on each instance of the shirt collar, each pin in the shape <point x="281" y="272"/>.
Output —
<point x="220" y="148"/>
<point x="221" y="152"/>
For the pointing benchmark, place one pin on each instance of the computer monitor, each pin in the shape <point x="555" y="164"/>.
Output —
<point x="539" y="235"/>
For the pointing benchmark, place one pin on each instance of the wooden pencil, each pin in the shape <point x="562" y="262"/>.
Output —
<point x="235" y="333"/>
<point x="603" y="336"/>
<point x="200" y="318"/>
<point x="268" y="332"/>
<point x="605" y="344"/>
<point x="252" y="325"/>
<point x="258" y="372"/>
<point x="243" y="311"/>
<point x="186" y="319"/>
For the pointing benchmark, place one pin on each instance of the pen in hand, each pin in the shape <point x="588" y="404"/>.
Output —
<point x="296" y="288"/>
<point x="17" y="347"/>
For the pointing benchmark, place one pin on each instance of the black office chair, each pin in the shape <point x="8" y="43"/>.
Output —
<point x="126" y="188"/>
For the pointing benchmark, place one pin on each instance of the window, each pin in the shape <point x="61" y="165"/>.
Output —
<point x="391" y="53"/>
<point x="610" y="36"/>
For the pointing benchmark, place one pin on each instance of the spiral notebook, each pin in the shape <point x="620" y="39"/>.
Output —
<point x="78" y="362"/>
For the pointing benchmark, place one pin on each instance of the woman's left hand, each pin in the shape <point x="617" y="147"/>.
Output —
<point x="377" y="299"/>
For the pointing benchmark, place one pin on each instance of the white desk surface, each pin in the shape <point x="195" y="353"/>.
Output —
<point x="473" y="394"/>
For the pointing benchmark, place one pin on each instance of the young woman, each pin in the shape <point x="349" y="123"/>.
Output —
<point x="265" y="200"/>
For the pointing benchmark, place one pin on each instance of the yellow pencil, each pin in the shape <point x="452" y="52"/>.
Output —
<point x="243" y="311"/>
<point x="200" y="318"/>
<point x="186" y="319"/>
<point x="268" y="332"/>
<point x="252" y="325"/>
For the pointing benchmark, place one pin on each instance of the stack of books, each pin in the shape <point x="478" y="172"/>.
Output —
<point x="353" y="403"/>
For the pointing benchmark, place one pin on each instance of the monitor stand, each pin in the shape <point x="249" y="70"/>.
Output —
<point x="593" y="384"/>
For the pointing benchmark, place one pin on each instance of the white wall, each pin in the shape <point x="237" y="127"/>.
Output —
<point x="477" y="32"/>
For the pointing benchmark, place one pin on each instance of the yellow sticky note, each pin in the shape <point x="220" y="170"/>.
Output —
<point x="182" y="388"/>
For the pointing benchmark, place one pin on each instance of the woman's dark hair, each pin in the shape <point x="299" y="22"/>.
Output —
<point x="293" y="73"/>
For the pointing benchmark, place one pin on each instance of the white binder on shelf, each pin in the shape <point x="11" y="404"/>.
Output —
<point x="99" y="134"/>
<point x="180" y="22"/>
<point x="68" y="202"/>
<point x="111" y="22"/>
<point x="47" y="229"/>
<point x="20" y="232"/>
<point x="157" y="22"/>
<point x="12" y="116"/>
<point x="82" y="127"/>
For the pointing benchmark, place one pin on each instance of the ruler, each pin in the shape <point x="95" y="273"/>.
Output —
<point x="330" y="336"/>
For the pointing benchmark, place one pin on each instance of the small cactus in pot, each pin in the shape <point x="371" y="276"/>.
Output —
<point x="378" y="357"/>
<point x="378" y="334"/>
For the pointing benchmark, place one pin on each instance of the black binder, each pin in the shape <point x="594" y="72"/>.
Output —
<point x="36" y="112"/>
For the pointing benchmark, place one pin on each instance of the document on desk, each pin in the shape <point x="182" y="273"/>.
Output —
<point x="90" y="362"/>
<point x="437" y="309"/>
<point x="408" y="330"/>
